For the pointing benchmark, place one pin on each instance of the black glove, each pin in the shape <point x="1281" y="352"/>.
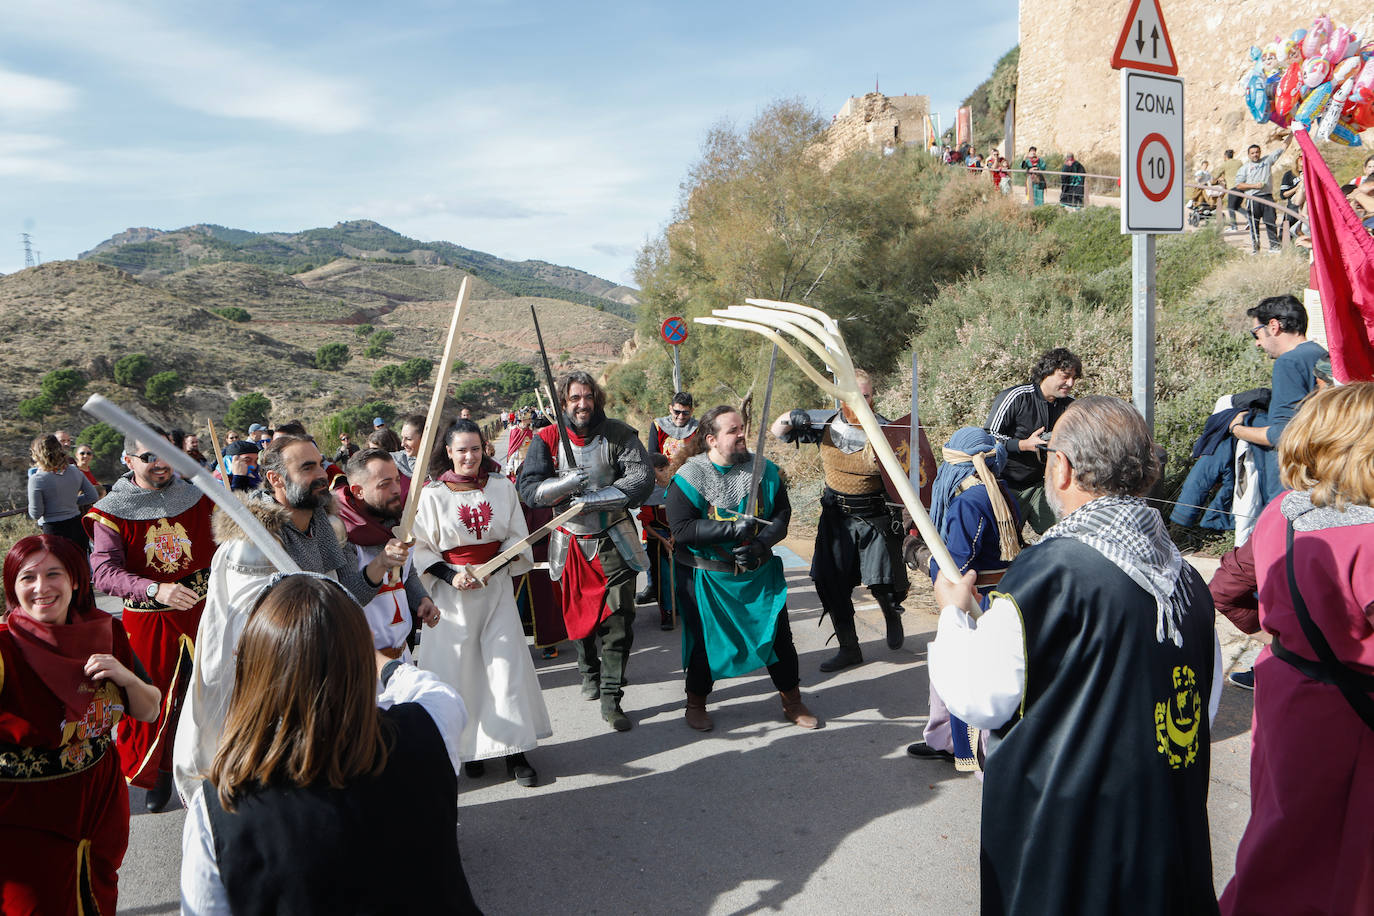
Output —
<point x="744" y="527"/>
<point x="751" y="555"/>
<point x="799" y="420"/>
<point x="916" y="554"/>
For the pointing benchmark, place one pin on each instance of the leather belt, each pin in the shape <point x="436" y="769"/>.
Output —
<point x="696" y="562"/>
<point x="861" y="505"/>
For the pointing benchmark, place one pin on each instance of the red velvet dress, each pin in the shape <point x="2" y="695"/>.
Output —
<point x="64" y="807"/>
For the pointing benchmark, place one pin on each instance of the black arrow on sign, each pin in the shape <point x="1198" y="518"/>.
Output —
<point x="1154" y="46"/>
<point x="1139" y="35"/>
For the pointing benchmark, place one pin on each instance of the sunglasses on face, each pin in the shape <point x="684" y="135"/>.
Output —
<point x="680" y="413"/>
<point x="83" y="454"/>
<point x="1254" y="332"/>
<point x="146" y="457"/>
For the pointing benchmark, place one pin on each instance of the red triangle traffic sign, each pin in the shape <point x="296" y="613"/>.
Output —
<point x="1144" y="43"/>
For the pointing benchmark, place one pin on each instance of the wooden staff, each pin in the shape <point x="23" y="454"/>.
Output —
<point x="511" y="552"/>
<point x="820" y="334"/>
<point x="436" y="409"/>
<point x="219" y="459"/>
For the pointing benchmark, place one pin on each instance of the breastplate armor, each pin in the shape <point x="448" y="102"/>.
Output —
<point x="595" y="457"/>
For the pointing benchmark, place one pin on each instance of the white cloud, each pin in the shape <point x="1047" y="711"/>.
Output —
<point x="226" y="78"/>
<point x="21" y="93"/>
<point x="33" y="156"/>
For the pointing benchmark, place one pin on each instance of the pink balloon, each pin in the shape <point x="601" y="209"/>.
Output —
<point x="1316" y="36"/>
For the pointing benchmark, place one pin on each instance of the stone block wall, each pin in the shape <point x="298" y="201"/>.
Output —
<point x="873" y="121"/>
<point x="1068" y="97"/>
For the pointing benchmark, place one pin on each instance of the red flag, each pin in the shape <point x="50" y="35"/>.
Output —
<point x="1342" y="269"/>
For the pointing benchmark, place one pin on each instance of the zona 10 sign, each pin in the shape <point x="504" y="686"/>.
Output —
<point x="1151" y="153"/>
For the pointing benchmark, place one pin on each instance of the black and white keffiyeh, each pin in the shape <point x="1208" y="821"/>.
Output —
<point x="1131" y="534"/>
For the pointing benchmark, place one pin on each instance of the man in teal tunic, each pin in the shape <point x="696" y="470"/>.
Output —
<point x="734" y="603"/>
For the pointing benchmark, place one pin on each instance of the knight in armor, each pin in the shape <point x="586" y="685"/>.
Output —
<point x="151" y="546"/>
<point x="858" y="540"/>
<point x="667" y="435"/>
<point x="734" y="604"/>
<point x="603" y="465"/>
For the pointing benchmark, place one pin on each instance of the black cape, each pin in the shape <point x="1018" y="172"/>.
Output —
<point x="1095" y="797"/>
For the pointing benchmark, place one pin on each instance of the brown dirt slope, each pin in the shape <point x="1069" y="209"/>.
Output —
<point x="87" y="315"/>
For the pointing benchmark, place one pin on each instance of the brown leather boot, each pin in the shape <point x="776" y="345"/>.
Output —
<point x="697" y="717"/>
<point x="795" y="710"/>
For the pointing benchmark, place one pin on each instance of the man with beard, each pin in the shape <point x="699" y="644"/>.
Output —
<point x="1098" y="667"/>
<point x="596" y="577"/>
<point x="857" y="538"/>
<point x="295" y="506"/>
<point x="735" y="599"/>
<point x="370" y="507"/>
<point x="152" y="546"/>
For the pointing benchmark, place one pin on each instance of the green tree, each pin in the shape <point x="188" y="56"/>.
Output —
<point x="388" y="378"/>
<point x="161" y="388"/>
<point x="414" y="370"/>
<point x="362" y="330"/>
<point x="359" y="418"/>
<point x="512" y="378"/>
<point x="458" y="366"/>
<point x="107" y="443"/>
<point x="35" y="408"/>
<point x="247" y="410"/>
<point x="332" y="356"/>
<point x="473" y="390"/>
<point x="132" y="369"/>
<point x="60" y="384"/>
<point x="234" y="313"/>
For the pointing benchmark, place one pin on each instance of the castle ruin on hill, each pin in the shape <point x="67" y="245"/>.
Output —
<point x="1068" y="97"/>
<point x="874" y="121"/>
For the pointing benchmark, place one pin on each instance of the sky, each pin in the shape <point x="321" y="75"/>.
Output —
<point x="555" y="131"/>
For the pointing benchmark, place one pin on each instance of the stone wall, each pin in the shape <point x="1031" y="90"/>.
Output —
<point x="873" y="121"/>
<point x="1068" y="97"/>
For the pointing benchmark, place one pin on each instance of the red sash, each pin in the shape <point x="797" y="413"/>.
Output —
<point x="469" y="554"/>
<point x="582" y="588"/>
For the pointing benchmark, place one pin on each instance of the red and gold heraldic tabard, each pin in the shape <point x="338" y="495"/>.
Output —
<point x="177" y="549"/>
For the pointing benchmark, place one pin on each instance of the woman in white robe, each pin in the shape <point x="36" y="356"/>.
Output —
<point x="466" y="516"/>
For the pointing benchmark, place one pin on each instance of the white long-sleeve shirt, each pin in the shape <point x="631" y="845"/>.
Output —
<point x="202" y="891"/>
<point x="979" y="668"/>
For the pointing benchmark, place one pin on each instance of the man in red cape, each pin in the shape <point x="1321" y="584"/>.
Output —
<point x="596" y="556"/>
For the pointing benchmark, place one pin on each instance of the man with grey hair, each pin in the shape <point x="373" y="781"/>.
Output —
<point x="295" y="506"/>
<point x="1097" y="667"/>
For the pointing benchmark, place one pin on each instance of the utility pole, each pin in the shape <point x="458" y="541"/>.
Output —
<point x="29" y="260"/>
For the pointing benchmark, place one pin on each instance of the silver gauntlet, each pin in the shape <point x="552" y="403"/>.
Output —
<point x="555" y="490"/>
<point x="606" y="499"/>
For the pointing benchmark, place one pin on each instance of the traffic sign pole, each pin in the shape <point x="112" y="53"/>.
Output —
<point x="674" y="334"/>
<point x="1143" y="327"/>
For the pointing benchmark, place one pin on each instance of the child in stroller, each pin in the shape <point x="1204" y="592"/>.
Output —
<point x="1204" y="197"/>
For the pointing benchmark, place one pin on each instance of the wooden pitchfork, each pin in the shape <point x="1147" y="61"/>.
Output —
<point x="820" y="334"/>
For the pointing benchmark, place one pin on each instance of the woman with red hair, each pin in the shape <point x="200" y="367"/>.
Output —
<point x="67" y="677"/>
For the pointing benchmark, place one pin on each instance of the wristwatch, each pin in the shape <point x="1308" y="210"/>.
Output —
<point x="152" y="590"/>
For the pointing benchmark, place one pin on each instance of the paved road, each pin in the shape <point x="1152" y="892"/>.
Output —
<point x="756" y="816"/>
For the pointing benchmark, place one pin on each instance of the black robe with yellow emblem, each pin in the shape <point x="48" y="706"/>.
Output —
<point x="1095" y="797"/>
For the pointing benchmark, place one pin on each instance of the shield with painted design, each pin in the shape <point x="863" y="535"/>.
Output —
<point x="898" y="434"/>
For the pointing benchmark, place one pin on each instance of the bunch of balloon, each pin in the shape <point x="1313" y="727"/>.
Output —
<point x="1321" y="78"/>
